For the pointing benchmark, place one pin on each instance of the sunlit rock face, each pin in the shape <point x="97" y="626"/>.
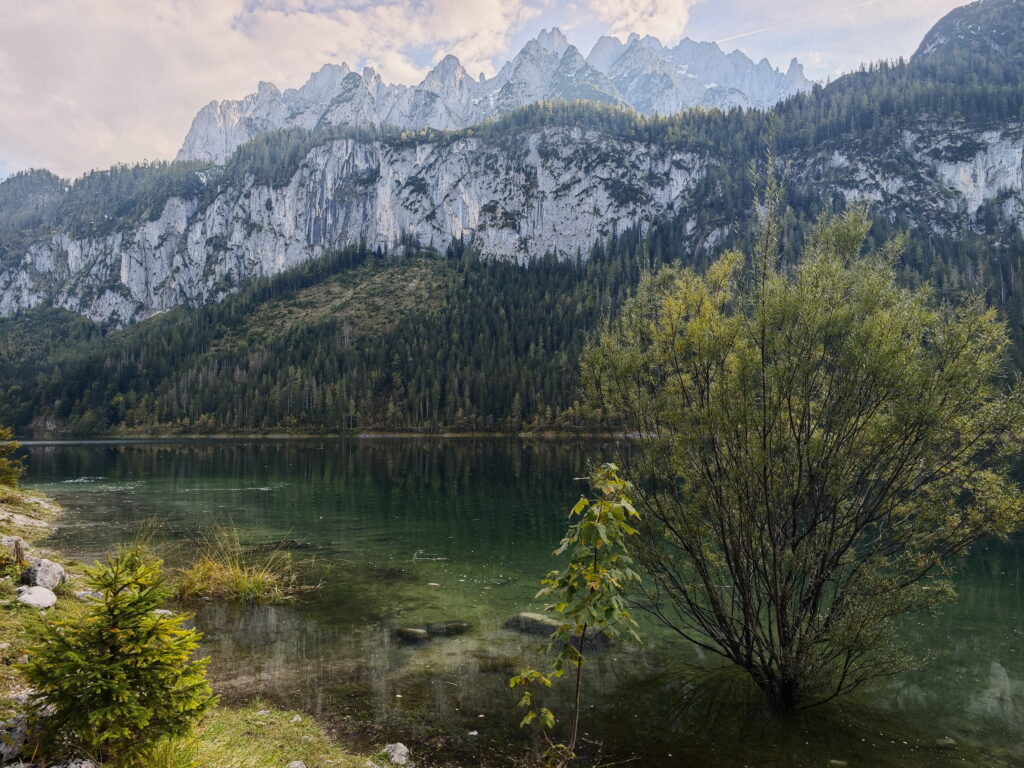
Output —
<point x="554" y="190"/>
<point x="641" y="73"/>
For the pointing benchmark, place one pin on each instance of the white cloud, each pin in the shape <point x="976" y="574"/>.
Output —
<point x="87" y="83"/>
<point x="664" y="19"/>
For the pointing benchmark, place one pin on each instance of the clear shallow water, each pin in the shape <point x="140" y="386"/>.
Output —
<point x="479" y="518"/>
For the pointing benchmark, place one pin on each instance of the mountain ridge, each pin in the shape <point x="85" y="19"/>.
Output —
<point x="641" y="73"/>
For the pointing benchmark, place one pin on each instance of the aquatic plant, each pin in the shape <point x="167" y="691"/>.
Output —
<point x="224" y="569"/>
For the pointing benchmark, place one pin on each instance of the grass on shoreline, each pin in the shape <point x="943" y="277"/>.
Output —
<point x="256" y="736"/>
<point x="224" y="570"/>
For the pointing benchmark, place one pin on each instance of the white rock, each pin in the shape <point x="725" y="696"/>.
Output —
<point x="397" y="754"/>
<point x="296" y="764"/>
<point x="38" y="597"/>
<point x="44" y="573"/>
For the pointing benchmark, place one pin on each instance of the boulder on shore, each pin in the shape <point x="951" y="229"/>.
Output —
<point x="44" y="573"/>
<point x="397" y="753"/>
<point x="37" y="597"/>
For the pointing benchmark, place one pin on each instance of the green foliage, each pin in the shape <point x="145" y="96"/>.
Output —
<point x="817" y="442"/>
<point x="11" y="469"/>
<point x="588" y="594"/>
<point x="114" y="681"/>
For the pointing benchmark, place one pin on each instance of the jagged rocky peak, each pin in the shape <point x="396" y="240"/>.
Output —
<point x="641" y="73"/>
<point x="553" y="40"/>
<point x="986" y="30"/>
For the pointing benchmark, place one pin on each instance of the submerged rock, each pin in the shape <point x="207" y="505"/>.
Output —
<point x="945" y="743"/>
<point x="411" y="635"/>
<point x="44" y="573"/>
<point x="448" y="628"/>
<point x="542" y="625"/>
<point x="532" y="624"/>
<point x="37" y="597"/>
<point x="397" y="753"/>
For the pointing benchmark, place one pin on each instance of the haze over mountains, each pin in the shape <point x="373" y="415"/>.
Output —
<point x="641" y="73"/>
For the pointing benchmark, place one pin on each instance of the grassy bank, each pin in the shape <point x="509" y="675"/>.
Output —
<point x="257" y="736"/>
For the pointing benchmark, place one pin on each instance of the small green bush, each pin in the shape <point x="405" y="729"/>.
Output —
<point x="113" y="681"/>
<point x="10" y="469"/>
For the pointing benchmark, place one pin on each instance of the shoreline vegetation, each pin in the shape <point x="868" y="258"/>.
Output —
<point x="256" y="735"/>
<point x="368" y="435"/>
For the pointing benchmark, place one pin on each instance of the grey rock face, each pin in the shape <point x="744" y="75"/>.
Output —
<point x="548" y="190"/>
<point x="37" y="597"/>
<point x="641" y="73"/>
<point x="554" y="190"/>
<point x="44" y="573"/>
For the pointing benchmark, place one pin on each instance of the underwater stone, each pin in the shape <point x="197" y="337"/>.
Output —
<point x="411" y="635"/>
<point x="532" y="624"/>
<point x="448" y="628"/>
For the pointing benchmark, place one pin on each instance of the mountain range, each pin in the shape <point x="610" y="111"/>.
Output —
<point x="641" y="73"/>
<point x="339" y="276"/>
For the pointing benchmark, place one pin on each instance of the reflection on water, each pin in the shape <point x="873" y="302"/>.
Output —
<point x="419" y="531"/>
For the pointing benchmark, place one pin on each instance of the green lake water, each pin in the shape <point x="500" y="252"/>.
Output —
<point x="413" y="531"/>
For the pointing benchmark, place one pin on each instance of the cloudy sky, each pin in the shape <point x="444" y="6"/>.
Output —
<point x="87" y="83"/>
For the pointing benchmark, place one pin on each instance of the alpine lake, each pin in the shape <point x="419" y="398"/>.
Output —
<point x="405" y="532"/>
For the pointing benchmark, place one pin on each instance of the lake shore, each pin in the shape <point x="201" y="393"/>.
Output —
<point x="257" y="735"/>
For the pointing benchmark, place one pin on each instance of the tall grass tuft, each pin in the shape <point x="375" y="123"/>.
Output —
<point x="224" y="570"/>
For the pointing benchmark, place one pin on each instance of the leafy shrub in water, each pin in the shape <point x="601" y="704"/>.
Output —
<point x="114" y="680"/>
